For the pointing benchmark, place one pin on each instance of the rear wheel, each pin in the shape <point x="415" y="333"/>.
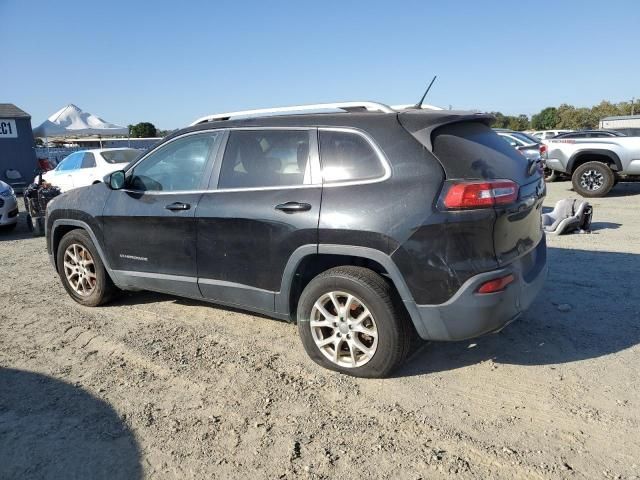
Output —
<point x="350" y="322"/>
<point x="82" y="271"/>
<point x="550" y="175"/>
<point x="593" y="179"/>
<point x="35" y="226"/>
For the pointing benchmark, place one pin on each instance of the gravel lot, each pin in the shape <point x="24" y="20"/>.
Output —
<point x="158" y="387"/>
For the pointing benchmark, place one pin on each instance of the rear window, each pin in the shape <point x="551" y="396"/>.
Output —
<point x="120" y="156"/>
<point x="472" y="150"/>
<point x="347" y="156"/>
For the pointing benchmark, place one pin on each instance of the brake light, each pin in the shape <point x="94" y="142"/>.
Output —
<point x="474" y="194"/>
<point x="496" y="285"/>
<point x="543" y="150"/>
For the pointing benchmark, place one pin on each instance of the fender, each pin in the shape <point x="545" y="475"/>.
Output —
<point x="617" y="164"/>
<point x="94" y="239"/>
<point x="282" y="297"/>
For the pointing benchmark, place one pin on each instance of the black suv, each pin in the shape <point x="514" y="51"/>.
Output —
<point x="366" y="225"/>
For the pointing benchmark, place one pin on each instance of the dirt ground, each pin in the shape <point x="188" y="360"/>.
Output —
<point x="153" y="386"/>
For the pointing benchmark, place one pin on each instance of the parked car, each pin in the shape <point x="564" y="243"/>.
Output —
<point x="590" y="134"/>
<point x="546" y="134"/>
<point x="366" y="226"/>
<point x="8" y="207"/>
<point x="629" y="132"/>
<point x="86" y="167"/>
<point x="594" y="164"/>
<point x="521" y="142"/>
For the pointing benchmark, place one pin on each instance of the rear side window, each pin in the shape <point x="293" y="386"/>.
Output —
<point x="88" y="161"/>
<point x="120" y="156"/>
<point x="265" y="158"/>
<point x="347" y="156"/>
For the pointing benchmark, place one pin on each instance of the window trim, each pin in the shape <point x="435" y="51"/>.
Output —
<point x="212" y="171"/>
<point x="379" y="153"/>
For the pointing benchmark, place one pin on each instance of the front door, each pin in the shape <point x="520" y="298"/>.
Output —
<point x="149" y="226"/>
<point x="62" y="175"/>
<point x="266" y="205"/>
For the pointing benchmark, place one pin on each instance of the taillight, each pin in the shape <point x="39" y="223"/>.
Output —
<point x="543" y="150"/>
<point x="496" y="285"/>
<point x="477" y="194"/>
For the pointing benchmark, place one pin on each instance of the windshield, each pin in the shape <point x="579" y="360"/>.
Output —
<point x="120" y="156"/>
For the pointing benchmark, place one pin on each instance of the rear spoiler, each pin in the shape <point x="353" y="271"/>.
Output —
<point x="421" y="124"/>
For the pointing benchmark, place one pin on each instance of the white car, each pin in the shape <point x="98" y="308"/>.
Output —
<point x="8" y="207"/>
<point x="87" y="167"/>
<point x="546" y="134"/>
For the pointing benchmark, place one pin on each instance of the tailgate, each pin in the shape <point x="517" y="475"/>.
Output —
<point x="468" y="149"/>
<point x="518" y="227"/>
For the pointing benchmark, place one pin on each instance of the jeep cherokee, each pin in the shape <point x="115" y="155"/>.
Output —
<point x="364" y="224"/>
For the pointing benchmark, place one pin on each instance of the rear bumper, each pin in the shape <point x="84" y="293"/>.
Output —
<point x="469" y="314"/>
<point x="555" y="164"/>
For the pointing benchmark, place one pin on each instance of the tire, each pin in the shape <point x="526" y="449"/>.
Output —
<point x="593" y="179"/>
<point x="30" y="226"/>
<point x="387" y="319"/>
<point x="98" y="287"/>
<point x="38" y="227"/>
<point x="550" y="175"/>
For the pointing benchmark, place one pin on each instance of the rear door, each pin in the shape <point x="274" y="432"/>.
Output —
<point x="85" y="175"/>
<point x="149" y="227"/>
<point x="263" y="205"/>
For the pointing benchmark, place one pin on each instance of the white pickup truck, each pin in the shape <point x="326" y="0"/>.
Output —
<point x="595" y="164"/>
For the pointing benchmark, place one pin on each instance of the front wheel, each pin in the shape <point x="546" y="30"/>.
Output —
<point x="81" y="270"/>
<point x="593" y="179"/>
<point x="349" y="321"/>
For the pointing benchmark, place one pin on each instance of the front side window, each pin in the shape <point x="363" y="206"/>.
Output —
<point x="72" y="162"/>
<point x="176" y="166"/>
<point x="347" y="156"/>
<point x="265" y="158"/>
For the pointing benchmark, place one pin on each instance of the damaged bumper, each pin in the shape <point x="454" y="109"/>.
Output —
<point x="469" y="314"/>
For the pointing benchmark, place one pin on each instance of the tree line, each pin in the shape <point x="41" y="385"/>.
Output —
<point x="563" y="117"/>
<point x="566" y="116"/>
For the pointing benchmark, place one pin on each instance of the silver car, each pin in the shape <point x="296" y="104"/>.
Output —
<point x="8" y="207"/>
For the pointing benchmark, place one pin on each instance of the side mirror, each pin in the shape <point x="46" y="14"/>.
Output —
<point x="115" y="180"/>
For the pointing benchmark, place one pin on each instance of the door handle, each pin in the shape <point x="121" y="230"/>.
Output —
<point x="177" y="206"/>
<point x="291" y="207"/>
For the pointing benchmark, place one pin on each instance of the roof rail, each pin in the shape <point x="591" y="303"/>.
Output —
<point x="346" y="106"/>
<point x="409" y="106"/>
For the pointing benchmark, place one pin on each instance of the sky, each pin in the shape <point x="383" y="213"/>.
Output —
<point x="171" y="62"/>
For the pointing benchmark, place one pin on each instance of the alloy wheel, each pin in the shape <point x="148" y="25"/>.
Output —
<point x="592" y="180"/>
<point x="344" y="329"/>
<point x="80" y="270"/>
